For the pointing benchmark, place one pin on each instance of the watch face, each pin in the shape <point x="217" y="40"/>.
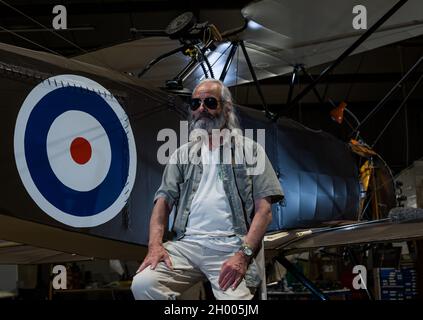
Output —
<point x="248" y="251"/>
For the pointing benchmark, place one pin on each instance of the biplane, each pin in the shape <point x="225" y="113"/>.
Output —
<point x="79" y="135"/>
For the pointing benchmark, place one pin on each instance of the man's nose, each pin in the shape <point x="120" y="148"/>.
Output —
<point x="202" y="107"/>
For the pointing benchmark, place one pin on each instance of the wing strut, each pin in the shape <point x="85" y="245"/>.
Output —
<point x="228" y="62"/>
<point x="301" y="277"/>
<point x="345" y="54"/>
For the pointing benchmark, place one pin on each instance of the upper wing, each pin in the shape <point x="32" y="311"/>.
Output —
<point x="279" y="35"/>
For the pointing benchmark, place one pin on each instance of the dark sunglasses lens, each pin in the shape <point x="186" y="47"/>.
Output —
<point x="210" y="103"/>
<point x="195" y="104"/>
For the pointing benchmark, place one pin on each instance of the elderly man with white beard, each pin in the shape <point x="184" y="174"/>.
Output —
<point x="222" y="210"/>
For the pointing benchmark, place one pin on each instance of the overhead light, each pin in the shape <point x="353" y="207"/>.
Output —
<point x="254" y="25"/>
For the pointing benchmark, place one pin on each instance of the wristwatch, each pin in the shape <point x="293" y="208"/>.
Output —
<point x="246" y="250"/>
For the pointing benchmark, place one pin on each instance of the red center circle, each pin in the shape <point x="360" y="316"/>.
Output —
<point x="80" y="150"/>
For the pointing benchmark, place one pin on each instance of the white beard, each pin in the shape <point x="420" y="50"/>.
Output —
<point x="207" y="122"/>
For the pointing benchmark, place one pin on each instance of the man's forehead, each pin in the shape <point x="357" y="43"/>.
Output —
<point x="207" y="89"/>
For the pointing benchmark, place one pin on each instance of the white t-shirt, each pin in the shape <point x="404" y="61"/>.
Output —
<point x="210" y="220"/>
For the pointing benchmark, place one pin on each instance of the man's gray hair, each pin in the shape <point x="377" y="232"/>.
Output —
<point x="226" y="97"/>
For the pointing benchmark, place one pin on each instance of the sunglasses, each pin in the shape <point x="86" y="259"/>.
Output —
<point x="209" y="102"/>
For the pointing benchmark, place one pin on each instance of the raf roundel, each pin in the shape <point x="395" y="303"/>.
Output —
<point x="75" y="151"/>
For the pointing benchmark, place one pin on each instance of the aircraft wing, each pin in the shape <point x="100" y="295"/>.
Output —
<point x="43" y="243"/>
<point x="279" y="35"/>
<point x="346" y="234"/>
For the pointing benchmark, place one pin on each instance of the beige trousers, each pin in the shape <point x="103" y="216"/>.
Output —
<point x="192" y="263"/>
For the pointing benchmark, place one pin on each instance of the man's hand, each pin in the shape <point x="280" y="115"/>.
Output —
<point x="155" y="254"/>
<point x="233" y="271"/>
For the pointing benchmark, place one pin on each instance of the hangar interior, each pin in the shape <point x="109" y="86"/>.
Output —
<point x="124" y="36"/>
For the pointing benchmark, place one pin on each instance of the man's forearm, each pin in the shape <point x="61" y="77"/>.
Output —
<point x="262" y="218"/>
<point x="158" y="222"/>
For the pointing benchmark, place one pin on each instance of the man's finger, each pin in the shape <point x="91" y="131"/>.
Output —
<point x="168" y="262"/>
<point x="143" y="265"/>
<point x="237" y="282"/>
<point x="223" y="272"/>
<point x="227" y="281"/>
<point x="154" y="265"/>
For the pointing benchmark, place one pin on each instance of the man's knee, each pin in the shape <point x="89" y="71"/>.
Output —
<point x="143" y="285"/>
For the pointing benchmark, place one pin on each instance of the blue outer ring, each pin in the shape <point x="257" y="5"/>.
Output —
<point x="76" y="203"/>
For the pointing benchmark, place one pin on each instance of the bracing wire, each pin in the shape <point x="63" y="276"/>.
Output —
<point x="150" y="93"/>
<point x="398" y="110"/>
<point x="28" y="40"/>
